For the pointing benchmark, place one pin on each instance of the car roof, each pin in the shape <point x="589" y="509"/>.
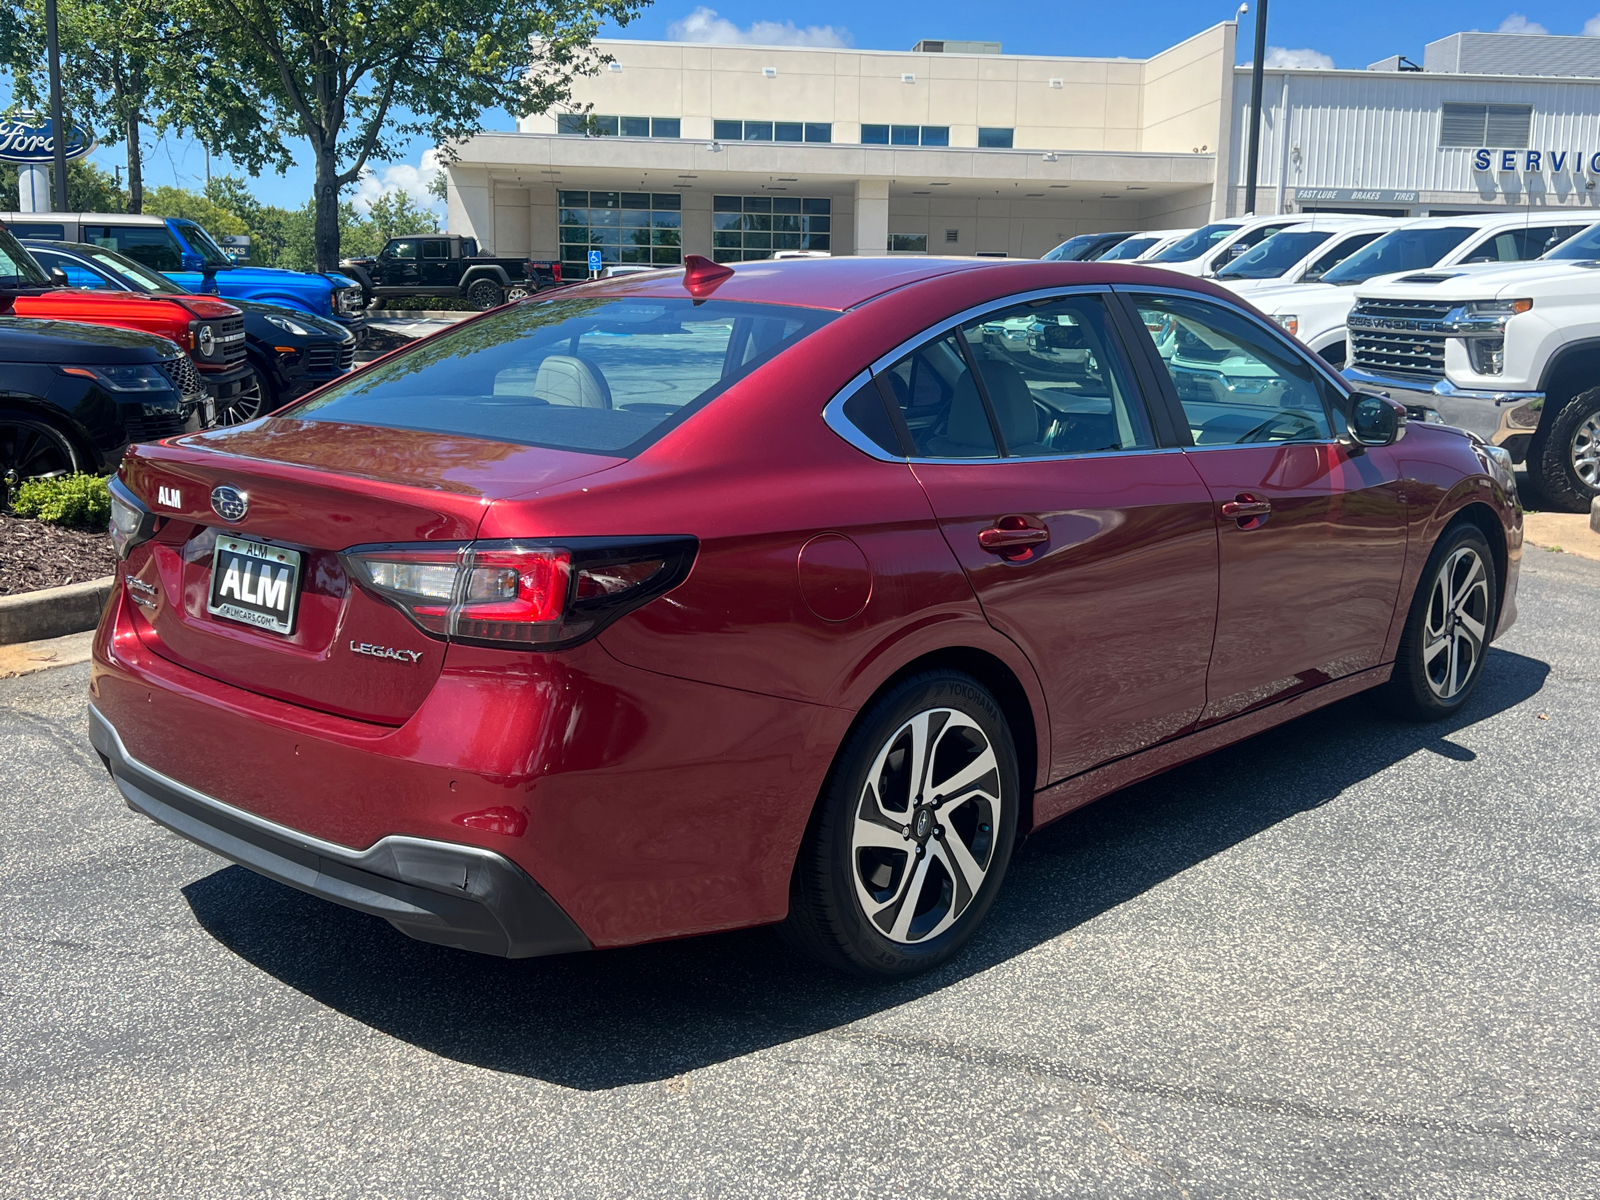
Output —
<point x="108" y="218"/>
<point x="839" y="284"/>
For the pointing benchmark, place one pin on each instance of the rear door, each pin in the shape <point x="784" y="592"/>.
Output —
<point x="436" y="268"/>
<point x="1312" y="535"/>
<point x="1088" y="541"/>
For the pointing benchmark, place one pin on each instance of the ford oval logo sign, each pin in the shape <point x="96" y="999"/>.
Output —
<point x="229" y="503"/>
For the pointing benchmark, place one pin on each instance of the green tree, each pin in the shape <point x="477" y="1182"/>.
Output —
<point x="111" y="68"/>
<point x="361" y="80"/>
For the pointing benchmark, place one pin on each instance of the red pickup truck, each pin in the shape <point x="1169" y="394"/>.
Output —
<point x="210" y="331"/>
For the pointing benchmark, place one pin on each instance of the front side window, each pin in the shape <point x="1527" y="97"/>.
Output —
<point x="78" y="275"/>
<point x="1399" y="250"/>
<point x="601" y="376"/>
<point x="203" y="244"/>
<point x="1237" y="384"/>
<point x="1521" y="245"/>
<point x="1127" y="249"/>
<point x="1187" y="249"/>
<point x="152" y="245"/>
<point x="1073" y="249"/>
<point x="1055" y="377"/>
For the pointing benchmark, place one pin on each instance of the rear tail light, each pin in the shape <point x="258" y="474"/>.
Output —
<point x="131" y="522"/>
<point x="522" y="593"/>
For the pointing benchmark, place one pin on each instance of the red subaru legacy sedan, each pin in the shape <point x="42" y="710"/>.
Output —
<point x="793" y="593"/>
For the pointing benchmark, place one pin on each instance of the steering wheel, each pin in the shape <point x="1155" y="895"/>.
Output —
<point x="1263" y="432"/>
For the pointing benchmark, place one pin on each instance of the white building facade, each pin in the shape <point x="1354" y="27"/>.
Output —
<point x="733" y="152"/>
<point x="736" y="152"/>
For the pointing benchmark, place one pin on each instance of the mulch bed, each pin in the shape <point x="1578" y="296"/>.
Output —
<point x="34" y="555"/>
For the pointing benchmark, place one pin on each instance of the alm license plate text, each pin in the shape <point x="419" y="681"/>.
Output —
<point x="255" y="583"/>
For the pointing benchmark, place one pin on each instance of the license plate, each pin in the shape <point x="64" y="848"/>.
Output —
<point x="255" y="583"/>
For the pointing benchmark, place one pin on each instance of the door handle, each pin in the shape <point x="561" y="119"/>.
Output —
<point x="1013" y="536"/>
<point x="1251" y="512"/>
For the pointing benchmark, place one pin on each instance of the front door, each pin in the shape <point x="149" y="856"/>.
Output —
<point x="1086" y="542"/>
<point x="1311" y="530"/>
<point x="398" y="265"/>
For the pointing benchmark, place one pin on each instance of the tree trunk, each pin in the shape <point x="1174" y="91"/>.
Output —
<point x="135" y="165"/>
<point x="325" y="236"/>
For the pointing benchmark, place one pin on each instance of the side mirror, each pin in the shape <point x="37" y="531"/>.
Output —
<point x="58" y="278"/>
<point x="1377" y="420"/>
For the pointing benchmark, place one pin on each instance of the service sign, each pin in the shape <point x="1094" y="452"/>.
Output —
<point x="29" y="139"/>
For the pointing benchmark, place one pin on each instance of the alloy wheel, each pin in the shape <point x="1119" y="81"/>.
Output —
<point x="249" y="404"/>
<point x="923" y="838"/>
<point x="1586" y="451"/>
<point x="31" y="450"/>
<point x="1456" y="627"/>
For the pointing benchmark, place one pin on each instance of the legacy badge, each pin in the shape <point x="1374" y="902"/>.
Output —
<point x="371" y="651"/>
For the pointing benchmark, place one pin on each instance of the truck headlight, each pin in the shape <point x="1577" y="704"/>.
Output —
<point x="1289" y="321"/>
<point x="205" y="341"/>
<point x="1498" y="308"/>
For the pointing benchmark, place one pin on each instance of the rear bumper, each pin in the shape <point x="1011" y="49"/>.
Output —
<point x="440" y="892"/>
<point x="1504" y="418"/>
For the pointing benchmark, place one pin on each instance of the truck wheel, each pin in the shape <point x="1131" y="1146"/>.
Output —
<point x="484" y="294"/>
<point x="1564" y="456"/>
<point x="31" y="448"/>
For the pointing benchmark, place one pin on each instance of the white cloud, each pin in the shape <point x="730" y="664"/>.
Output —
<point x="1591" y="27"/>
<point x="704" y="25"/>
<point x="1517" y="23"/>
<point x="1308" y="60"/>
<point x="399" y="177"/>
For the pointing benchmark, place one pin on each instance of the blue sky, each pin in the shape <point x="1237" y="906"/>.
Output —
<point x="1343" y="33"/>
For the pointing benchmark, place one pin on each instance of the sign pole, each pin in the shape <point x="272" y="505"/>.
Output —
<point x="57" y="125"/>
<point x="1255" y="110"/>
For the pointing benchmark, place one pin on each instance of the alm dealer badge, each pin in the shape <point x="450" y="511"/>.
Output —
<point x="255" y="583"/>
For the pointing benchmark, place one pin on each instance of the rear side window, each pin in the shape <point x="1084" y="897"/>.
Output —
<point x="603" y="376"/>
<point x="152" y="245"/>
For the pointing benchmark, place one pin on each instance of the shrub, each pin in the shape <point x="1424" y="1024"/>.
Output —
<point x="81" y="500"/>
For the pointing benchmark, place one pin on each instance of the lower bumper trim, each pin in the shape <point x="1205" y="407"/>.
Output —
<point x="439" y="892"/>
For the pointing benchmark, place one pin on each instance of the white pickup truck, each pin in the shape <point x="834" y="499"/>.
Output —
<point x="1315" y="312"/>
<point x="1213" y="246"/>
<point x="1511" y="352"/>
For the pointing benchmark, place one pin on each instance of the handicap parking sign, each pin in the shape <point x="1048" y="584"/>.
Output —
<point x="594" y="260"/>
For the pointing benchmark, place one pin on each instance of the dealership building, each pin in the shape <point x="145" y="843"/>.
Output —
<point x="735" y="152"/>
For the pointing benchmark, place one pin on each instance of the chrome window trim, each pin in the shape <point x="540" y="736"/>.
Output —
<point x="833" y="416"/>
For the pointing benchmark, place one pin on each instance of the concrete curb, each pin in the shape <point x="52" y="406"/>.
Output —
<point x="53" y="612"/>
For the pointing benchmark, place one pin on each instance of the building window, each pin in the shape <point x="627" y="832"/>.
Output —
<point x="1502" y="126"/>
<point x="905" y="135"/>
<point x="593" y="125"/>
<point x="772" y="131"/>
<point x="909" y="243"/>
<point x="995" y="139"/>
<point x="745" y="228"/>
<point x="626" y="227"/>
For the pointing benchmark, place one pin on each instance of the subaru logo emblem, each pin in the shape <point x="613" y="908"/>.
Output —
<point x="229" y="503"/>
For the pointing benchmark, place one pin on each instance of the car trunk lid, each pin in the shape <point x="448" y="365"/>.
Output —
<point x="310" y="490"/>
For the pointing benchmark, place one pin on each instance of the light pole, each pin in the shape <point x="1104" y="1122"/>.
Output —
<point x="1255" y="110"/>
<point x="58" y="126"/>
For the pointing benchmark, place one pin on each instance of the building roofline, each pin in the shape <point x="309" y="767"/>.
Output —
<point x="1077" y="58"/>
<point x="1426" y="76"/>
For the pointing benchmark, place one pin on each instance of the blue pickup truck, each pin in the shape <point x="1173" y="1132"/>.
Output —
<point x="185" y="253"/>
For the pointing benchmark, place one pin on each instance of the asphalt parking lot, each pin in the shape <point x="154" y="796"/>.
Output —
<point x="1348" y="958"/>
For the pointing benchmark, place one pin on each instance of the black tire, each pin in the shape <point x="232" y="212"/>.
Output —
<point x="33" y="448"/>
<point x="484" y="294"/>
<point x="1564" y="455"/>
<point x="1440" y="659"/>
<point x="872" y="851"/>
<point x="254" y="400"/>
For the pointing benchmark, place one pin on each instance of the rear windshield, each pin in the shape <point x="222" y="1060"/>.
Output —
<point x="603" y="376"/>
<point x="1402" y="250"/>
<point x="1273" y="257"/>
